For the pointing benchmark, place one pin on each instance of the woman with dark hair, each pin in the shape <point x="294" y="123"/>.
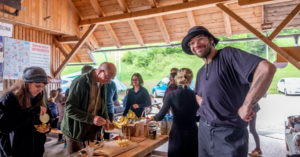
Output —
<point x="20" y="109"/>
<point x="138" y="97"/>
<point x="183" y="139"/>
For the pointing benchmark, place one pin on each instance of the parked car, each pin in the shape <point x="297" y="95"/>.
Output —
<point x="161" y="87"/>
<point x="289" y="86"/>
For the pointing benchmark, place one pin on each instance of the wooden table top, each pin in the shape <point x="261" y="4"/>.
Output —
<point x="145" y="147"/>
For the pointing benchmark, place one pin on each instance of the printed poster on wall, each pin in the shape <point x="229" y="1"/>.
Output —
<point x="19" y="54"/>
<point x="16" y="58"/>
<point x="40" y="56"/>
<point x="1" y="63"/>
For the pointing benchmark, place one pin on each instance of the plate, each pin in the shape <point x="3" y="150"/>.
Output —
<point x="44" y="118"/>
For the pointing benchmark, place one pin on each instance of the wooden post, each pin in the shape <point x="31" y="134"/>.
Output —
<point x="260" y="35"/>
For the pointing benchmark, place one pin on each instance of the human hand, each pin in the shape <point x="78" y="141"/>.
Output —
<point x="99" y="121"/>
<point x="43" y="110"/>
<point x="108" y="125"/>
<point x="135" y="106"/>
<point x="246" y="112"/>
<point x="42" y="128"/>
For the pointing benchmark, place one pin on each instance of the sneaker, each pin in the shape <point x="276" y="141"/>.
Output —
<point x="255" y="152"/>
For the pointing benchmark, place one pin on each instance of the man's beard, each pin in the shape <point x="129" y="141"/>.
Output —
<point x="206" y="52"/>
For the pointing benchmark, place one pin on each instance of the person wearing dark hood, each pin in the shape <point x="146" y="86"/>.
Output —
<point x="20" y="109"/>
<point x="228" y="86"/>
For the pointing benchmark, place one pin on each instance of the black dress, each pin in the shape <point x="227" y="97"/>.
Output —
<point x="183" y="138"/>
<point x="18" y="137"/>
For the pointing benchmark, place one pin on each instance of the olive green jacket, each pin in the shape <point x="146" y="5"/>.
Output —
<point x="76" y="115"/>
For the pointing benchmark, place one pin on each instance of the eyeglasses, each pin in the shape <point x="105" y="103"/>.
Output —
<point x="197" y="39"/>
<point x="134" y="79"/>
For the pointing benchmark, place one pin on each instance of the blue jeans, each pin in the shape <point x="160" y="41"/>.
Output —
<point x="225" y="141"/>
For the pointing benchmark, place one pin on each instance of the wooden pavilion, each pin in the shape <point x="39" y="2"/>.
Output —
<point x="75" y="28"/>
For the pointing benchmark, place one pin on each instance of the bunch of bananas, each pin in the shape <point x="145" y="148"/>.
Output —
<point x="123" y="142"/>
<point x="131" y="115"/>
<point x="121" y="122"/>
<point x="124" y="120"/>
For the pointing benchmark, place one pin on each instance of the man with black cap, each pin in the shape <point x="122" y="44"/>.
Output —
<point x="228" y="86"/>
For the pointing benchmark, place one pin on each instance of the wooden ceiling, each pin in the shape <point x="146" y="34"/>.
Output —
<point x="139" y="22"/>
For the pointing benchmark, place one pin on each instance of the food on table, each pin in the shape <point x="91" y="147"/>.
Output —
<point x="123" y="142"/>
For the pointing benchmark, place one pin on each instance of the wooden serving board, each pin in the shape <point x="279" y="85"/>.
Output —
<point x="111" y="149"/>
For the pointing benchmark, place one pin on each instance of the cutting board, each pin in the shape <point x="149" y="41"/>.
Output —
<point x="111" y="149"/>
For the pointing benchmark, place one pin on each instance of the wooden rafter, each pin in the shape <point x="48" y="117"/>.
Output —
<point x="136" y="32"/>
<point x="60" y="47"/>
<point x="112" y="35"/>
<point x="76" y="48"/>
<point x="95" y="5"/>
<point x="163" y="29"/>
<point x="268" y="42"/>
<point x="75" y="9"/>
<point x="68" y="40"/>
<point x="108" y="27"/>
<point x="285" y="22"/>
<point x="68" y="48"/>
<point x="153" y="3"/>
<point x="227" y="24"/>
<point x="191" y="18"/>
<point x="132" y="23"/>
<point x="247" y="2"/>
<point x="124" y="6"/>
<point x="176" y="8"/>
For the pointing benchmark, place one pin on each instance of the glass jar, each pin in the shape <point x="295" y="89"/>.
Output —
<point x="152" y="128"/>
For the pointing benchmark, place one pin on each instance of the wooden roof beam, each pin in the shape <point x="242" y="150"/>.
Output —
<point x="112" y="35"/>
<point x="108" y="27"/>
<point x="285" y="22"/>
<point x="68" y="39"/>
<point x="153" y="3"/>
<point x="191" y="18"/>
<point x="136" y="32"/>
<point x="76" y="48"/>
<point x="60" y="47"/>
<point x="95" y="5"/>
<point x="75" y="9"/>
<point x="268" y="42"/>
<point x="171" y="9"/>
<point x="163" y="29"/>
<point x="132" y="23"/>
<point x="248" y="2"/>
<point x="124" y="6"/>
<point x="227" y="25"/>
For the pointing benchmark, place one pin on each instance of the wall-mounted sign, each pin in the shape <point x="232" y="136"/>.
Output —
<point x="6" y="29"/>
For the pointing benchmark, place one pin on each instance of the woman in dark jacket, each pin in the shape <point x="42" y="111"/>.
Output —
<point x="138" y="97"/>
<point x="183" y="136"/>
<point x="20" y="109"/>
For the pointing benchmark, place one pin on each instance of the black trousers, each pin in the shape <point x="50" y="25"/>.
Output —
<point x="225" y="141"/>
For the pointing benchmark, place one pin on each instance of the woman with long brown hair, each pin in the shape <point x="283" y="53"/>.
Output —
<point x="20" y="109"/>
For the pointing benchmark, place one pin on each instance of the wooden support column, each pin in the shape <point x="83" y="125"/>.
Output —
<point x="283" y="53"/>
<point x="76" y="48"/>
<point x="285" y="22"/>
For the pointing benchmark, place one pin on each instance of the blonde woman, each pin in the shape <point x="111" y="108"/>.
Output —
<point x="183" y="136"/>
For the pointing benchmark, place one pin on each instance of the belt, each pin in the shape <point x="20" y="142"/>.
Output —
<point x="210" y="124"/>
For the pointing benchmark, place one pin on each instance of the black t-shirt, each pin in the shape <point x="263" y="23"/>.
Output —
<point x="223" y="85"/>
